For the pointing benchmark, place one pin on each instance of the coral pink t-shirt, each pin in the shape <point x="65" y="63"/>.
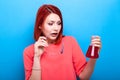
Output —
<point x="58" y="62"/>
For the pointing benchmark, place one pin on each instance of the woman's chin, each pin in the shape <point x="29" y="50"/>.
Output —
<point x="53" y="38"/>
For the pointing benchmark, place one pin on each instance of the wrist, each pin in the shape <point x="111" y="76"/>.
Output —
<point x="36" y="62"/>
<point x="36" y="68"/>
<point x="36" y="55"/>
<point x="92" y="60"/>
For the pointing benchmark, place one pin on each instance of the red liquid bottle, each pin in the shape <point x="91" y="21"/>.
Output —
<point x="92" y="52"/>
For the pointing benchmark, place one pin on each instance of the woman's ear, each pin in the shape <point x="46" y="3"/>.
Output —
<point x="40" y="27"/>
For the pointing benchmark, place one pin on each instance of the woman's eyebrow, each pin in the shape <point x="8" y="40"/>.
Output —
<point x="52" y="21"/>
<point x="59" y="21"/>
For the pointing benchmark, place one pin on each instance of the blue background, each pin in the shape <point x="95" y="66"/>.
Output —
<point x="82" y="19"/>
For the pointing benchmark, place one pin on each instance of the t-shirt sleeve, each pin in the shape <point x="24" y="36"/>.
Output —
<point x="28" y="61"/>
<point x="79" y="60"/>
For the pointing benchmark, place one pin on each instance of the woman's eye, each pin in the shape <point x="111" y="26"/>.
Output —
<point x="50" y="23"/>
<point x="59" y="23"/>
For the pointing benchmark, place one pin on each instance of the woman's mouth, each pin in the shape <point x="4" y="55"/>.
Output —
<point x="54" y="34"/>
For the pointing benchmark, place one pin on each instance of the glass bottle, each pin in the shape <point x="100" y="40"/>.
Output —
<point x="92" y="52"/>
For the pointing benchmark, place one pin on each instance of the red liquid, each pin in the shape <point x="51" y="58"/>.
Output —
<point x="92" y="52"/>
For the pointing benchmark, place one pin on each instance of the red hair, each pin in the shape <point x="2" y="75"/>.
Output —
<point x="42" y="13"/>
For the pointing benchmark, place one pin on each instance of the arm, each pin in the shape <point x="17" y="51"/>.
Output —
<point x="36" y="70"/>
<point x="38" y="49"/>
<point x="88" y="70"/>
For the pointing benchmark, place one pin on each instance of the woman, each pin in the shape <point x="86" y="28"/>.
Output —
<point x="54" y="56"/>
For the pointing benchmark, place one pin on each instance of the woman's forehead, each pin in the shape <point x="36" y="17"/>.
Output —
<point x="53" y="17"/>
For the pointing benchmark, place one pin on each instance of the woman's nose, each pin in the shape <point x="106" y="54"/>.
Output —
<point x="55" y="27"/>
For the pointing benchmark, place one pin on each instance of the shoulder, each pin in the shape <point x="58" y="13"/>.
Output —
<point x="69" y="39"/>
<point x="29" y="50"/>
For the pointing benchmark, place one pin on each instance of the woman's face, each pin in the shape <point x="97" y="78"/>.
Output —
<point x="51" y="27"/>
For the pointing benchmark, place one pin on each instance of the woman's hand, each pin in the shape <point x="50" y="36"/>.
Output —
<point x="96" y="41"/>
<point x="39" y="45"/>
